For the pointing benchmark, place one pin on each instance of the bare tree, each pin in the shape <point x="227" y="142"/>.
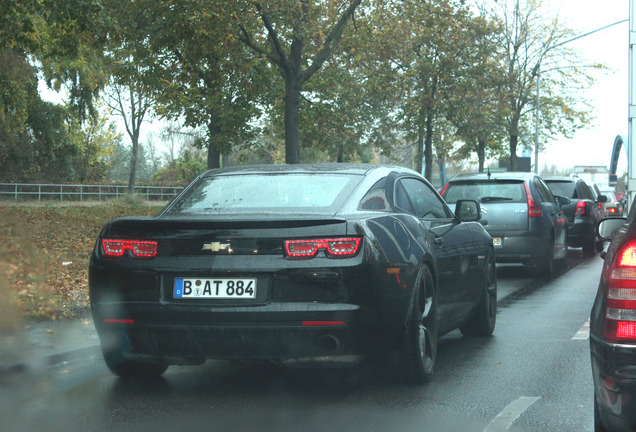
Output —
<point x="131" y="102"/>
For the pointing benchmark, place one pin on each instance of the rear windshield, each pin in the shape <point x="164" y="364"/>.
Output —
<point x="562" y="188"/>
<point x="266" y="193"/>
<point x="486" y="191"/>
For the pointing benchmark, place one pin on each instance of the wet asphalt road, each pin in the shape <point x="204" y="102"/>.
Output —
<point x="532" y="375"/>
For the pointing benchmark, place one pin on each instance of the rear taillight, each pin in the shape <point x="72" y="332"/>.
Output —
<point x="138" y="248"/>
<point x="610" y="210"/>
<point x="333" y="247"/>
<point x="533" y="209"/>
<point x="620" y="313"/>
<point x="581" y="208"/>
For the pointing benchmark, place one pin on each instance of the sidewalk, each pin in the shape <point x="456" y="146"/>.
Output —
<point x="47" y="343"/>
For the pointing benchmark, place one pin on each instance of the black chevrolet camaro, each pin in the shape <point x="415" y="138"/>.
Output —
<point x="295" y="264"/>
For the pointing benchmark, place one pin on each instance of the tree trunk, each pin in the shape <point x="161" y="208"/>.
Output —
<point x="133" y="162"/>
<point x="514" y="139"/>
<point x="481" y="153"/>
<point x="420" y="150"/>
<point x="214" y="155"/>
<point x="292" y="134"/>
<point x="428" y="149"/>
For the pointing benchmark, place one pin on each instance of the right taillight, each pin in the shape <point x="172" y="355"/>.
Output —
<point x="581" y="208"/>
<point x="333" y="247"/>
<point x="620" y="313"/>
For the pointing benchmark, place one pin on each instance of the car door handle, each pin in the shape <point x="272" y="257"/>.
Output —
<point x="439" y="241"/>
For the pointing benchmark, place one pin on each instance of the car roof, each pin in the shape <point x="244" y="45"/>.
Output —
<point x="508" y="175"/>
<point x="561" y="179"/>
<point x="326" y="168"/>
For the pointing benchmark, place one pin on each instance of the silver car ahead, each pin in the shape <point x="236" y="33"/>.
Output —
<point x="520" y="213"/>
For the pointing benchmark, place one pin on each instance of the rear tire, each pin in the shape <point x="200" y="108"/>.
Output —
<point x="589" y="248"/>
<point x="598" y="426"/>
<point x="483" y="322"/>
<point x="547" y="264"/>
<point x="420" y="337"/>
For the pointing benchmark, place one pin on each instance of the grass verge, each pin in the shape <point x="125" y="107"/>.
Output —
<point x="44" y="256"/>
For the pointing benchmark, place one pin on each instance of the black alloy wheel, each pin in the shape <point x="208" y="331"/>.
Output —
<point x="483" y="322"/>
<point x="420" y="337"/>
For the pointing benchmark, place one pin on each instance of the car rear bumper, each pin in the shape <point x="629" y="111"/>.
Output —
<point x="581" y="232"/>
<point x="520" y="247"/>
<point x="335" y="335"/>
<point x="614" y="373"/>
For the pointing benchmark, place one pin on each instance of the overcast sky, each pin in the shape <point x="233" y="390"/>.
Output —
<point x="609" y="96"/>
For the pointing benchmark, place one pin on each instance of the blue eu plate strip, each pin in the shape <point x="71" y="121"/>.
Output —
<point x="178" y="288"/>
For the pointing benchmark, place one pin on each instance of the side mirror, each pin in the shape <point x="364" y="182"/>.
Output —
<point x="468" y="210"/>
<point x="601" y="199"/>
<point x="607" y="228"/>
<point x="563" y="201"/>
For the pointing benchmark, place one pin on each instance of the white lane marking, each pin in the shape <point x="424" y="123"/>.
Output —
<point x="512" y="412"/>
<point x="583" y="333"/>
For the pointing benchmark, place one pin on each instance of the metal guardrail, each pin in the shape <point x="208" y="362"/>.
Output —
<point x="78" y="192"/>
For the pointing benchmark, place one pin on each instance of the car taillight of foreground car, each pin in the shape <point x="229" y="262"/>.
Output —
<point x="620" y="313"/>
<point x="613" y="330"/>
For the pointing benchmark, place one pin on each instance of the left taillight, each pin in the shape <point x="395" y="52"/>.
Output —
<point x="333" y="247"/>
<point x="620" y="312"/>
<point x="581" y="209"/>
<point x="138" y="248"/>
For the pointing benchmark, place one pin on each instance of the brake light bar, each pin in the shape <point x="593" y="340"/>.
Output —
<point x="533" y="209"/>
<point x="620" y="312"/>
<point x="444" y="189"/>
<point x="334" y="247"/>
<point x="138" y="248"/>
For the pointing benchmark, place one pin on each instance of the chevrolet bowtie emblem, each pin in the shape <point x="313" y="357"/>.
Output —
<point x="215" y="246"/>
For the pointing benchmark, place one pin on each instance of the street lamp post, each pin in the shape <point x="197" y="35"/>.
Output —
<point x="536" y="72"/>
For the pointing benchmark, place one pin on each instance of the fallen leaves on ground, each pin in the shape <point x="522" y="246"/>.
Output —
<point x="44" y="257"/>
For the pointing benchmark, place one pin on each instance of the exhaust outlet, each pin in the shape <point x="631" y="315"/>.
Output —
<point x="328" y="343"/>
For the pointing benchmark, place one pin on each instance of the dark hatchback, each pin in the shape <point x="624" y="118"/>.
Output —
<point x="583" y="209"/>
<point x="520" y="213"/>
<point x="299" y="265"/>
<point x="613" y="329"/>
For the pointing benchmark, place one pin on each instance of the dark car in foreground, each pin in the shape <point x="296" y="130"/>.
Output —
<point x="299" y="265"/>
<point x="520" y="213"/>
<point x="613" y="329"/>
<point x="583" y="209"/>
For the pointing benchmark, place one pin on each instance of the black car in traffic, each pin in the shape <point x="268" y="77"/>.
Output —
<point x="583" y="209"/>
<point x="613" y="329"/>
<point x="295" y="264"/>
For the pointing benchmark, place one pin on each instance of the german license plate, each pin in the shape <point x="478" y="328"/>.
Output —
<point x="221" y="288"/>
<point x="497" y="241"/>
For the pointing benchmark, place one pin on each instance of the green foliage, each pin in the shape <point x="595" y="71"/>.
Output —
<point x="181" y="172"/>
<point x="95" y="141"/>
<point x="347" y="79"/>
